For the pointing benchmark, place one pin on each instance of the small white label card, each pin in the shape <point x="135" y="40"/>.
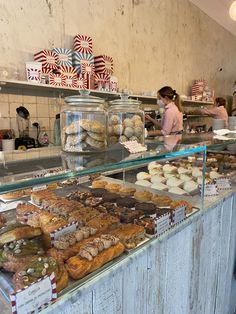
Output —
<point x="63" y="230"/>
<point x="223" y="184"/>
<point x="8" y="206"/>
<point x="134" y="147"/>
<point x="35" y="297"/>
<point x="179" y="214"/>
<point x="210" y="189"/>
<point x="39" y="187"/>
<point x="162" y="224"/>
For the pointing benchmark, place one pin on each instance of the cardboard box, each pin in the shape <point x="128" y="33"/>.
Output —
<point x="81" y="82"/>
<point x="58" y="80"/>
<point x="82" y="58"/>
<point x="64" y="56"/>
<point x="102" y="82"/>
<point x="48" y="58"/>
<point x="70" y="75"/>
<point x="103" y="64"/>
<point x="83" y="44"/>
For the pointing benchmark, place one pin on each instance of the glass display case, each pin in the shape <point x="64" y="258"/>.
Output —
<point x="130" y="199"/>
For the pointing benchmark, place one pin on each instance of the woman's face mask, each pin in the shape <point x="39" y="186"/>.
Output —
<point x="161" y="103"/>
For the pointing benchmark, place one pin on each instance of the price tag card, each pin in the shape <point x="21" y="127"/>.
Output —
<point x="63" y="230"/>
<point x="39" y="187"/>
<point x="223" y="184"/>
<point x="179" y="214"/>
<point x="162" y="224"/>
<point x="134" y="147"/>
<point x="35" y="297"/>
<point x="210" y="190"/>
<point x="8" y="206"/>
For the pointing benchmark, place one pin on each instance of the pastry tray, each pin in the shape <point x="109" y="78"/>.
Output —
<point x="6" y="286"/>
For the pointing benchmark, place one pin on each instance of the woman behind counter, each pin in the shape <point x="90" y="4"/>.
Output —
<point x="218" y="112"/>
<point x="172" y="121"/>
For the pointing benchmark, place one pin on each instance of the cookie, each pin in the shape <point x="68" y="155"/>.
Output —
<point x="124" y="191"/>
<point x="75" y="139"/>
<point x="99" y="184"/>
<point x="73" y="128"/>
<point x="128" y="202"/>
<point x="97" y="136"/>
<point x="143" y="196"/>
<point x="94" y="143"/>
<point x="128" y="132"/>
<point x="138" y="131"/>
<point x="161" y="201"/>
<point x="128" y="123"/>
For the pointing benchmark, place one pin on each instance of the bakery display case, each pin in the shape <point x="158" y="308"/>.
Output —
<point x="79" y="215"/>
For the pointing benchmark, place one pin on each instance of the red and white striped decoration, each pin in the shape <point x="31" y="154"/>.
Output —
<point x="103" y="64"/>
<point x="48" y="58"/>
<point x="102" y="82"/>
<point x="67" y="71"/>
<point x="43" y="306"/>
<point x="71" y="82"/>
<point x="81" y="82"/>
<point x="33" y="74"/>
<point x="87" y="68"/>
<point x="83" y="43"/>
<point x="57" y="80"/>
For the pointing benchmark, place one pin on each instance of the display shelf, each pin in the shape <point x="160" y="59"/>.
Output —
<point x="196" y="115"/>
<point x="195" y="102"/>
<point x="9" y="85"/>
<point x="13" y="174"/>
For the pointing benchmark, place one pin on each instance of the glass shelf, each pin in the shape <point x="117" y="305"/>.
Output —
<point x="29" y="170"/>
<point x="196" y="102"/>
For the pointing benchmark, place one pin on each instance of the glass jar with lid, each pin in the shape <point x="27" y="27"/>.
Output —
<point x="83" y="123"/>
<point x="125" y="121"/>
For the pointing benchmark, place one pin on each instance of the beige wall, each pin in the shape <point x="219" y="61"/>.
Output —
<point x="153" y="42"/>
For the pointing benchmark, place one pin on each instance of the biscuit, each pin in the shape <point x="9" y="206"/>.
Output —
<point x="97" y="136"/>
<point x="94" y="143"/>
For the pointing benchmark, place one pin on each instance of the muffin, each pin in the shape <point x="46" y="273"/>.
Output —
<point x="143" y="196"/>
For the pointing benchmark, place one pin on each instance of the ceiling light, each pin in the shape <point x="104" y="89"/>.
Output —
<point x="232" y="11"/>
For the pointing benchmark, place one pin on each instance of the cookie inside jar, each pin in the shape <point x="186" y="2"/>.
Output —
<point x="125" y="121"/>
<point x="83" y="124"/>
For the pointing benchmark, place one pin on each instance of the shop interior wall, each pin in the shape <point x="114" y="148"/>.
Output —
<point x="152" y="42"/>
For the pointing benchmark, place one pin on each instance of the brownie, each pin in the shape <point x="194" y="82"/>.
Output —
<point x="128" y="202"/>
<point x="146" y="208"/>
<point x="148" y="223"/>
<point x="78" y="196"/>
<point x="98" y="192"/>
<point x="126" y="215"/>
<point x="110" y="197"/>
<point x="92" y="201"/>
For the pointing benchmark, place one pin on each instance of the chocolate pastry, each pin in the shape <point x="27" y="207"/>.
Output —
<point x="93" y="201"/>
<point x="148" y="223"/>
<point x="126" y="202"/>
<point x="78" y="196"/>
<point x="110" y="197"/>
<point x="109" y="206"/>
<point x="146" y="208"/>
<point x="127" y="215"/>
<point x="98" y="192"/>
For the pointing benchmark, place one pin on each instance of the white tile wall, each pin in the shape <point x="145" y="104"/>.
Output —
<point x="4" y="110"/>
<point x="4" y="123"/>
<point x="42" y="110"/>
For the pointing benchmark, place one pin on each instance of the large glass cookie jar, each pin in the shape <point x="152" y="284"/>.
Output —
<point x="83" y="124"/>
<point x="125" y="121"/>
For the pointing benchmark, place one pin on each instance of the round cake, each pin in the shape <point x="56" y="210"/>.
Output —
<point x="128" y="202"/>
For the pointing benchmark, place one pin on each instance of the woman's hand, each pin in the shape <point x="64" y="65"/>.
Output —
<point x="149" y="118"/>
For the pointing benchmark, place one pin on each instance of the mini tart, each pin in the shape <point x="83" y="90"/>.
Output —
<point x="143" y="176"/>
<point x="113" y="187"/>
<point x="143" y="183"/>
<point x="155" y="171"/>
<point x="143" y="196"/>
<point x="154" y="165"/>
<point x="99" y="184"/>
<point x="169" y="169"/>
<point x="158" y="179"/>
<point x="161" y="201"/>
<point x="125" y="191"/>
<point x="172" y="182"/>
